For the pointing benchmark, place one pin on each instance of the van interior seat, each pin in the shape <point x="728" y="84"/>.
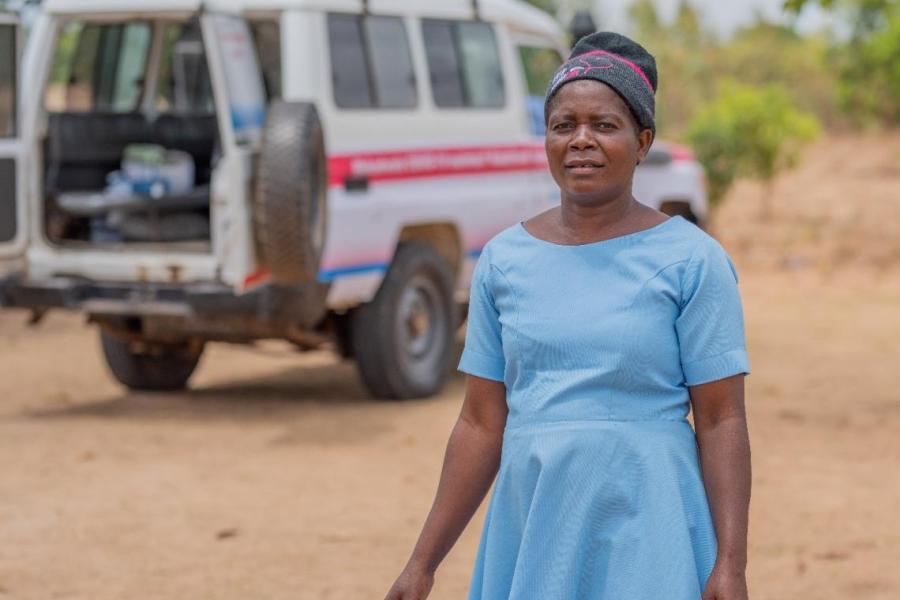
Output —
<point x="83" y="147"/>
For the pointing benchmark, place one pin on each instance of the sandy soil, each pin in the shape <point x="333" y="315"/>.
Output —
<point x="276" y="477"/>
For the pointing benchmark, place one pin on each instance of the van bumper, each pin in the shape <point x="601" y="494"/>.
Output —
<point x="268" y="303"/>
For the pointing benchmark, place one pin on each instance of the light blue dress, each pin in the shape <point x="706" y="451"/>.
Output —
<point x="599" y="495"/>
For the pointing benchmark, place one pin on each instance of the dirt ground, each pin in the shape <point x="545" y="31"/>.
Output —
<point x="276" y="477"/>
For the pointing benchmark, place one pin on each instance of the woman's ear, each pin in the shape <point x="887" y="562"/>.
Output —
<point x="645" y="140"/>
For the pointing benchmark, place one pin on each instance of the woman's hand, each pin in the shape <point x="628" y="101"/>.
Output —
<point x="413" y="584"/>
<point x="726" y="584"/>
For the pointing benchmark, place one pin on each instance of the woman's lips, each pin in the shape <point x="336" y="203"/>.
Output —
<point x="583" y="167"/>
<point x="583" y="163"/>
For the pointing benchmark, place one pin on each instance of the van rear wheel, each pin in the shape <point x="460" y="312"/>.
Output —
<point x="150" y="367"/>
<point x="402" y="339"/>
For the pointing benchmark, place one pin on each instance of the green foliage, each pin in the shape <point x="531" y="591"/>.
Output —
<point x="65" y="50"/>
<point x="765" y="53"/>
<point x="549" y="6"/>
<point x="692" y="61"/>
<point x="868" y="88"/>
<point x="865" y="14"/>
<point x="751" y="132"/>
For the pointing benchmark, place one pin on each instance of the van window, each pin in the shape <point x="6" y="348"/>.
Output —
<point x="99" y="67"/>
<point x="8" y="83"/>
<point x="349" y="72"/>
<point x="443" y="65"/>
<point x="267" y="39"/>
<point x="539" y="65"/>
<point x="464" y="64"/>
<point x="184" y="84"/>
<point x="371" y="64"/>
<point x="392" y="66"/>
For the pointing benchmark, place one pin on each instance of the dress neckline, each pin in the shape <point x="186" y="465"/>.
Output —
<point x="608" y="241"/>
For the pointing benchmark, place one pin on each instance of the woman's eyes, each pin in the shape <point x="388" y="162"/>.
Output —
<point x="568" y="125"/>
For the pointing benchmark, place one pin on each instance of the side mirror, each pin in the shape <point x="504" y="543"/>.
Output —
<point x="582" y="25"/>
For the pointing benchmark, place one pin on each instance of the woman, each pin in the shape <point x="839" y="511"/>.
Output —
<point x="594" y="327"/>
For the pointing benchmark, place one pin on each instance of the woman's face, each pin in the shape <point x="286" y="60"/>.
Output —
<point x="593" y="143"/>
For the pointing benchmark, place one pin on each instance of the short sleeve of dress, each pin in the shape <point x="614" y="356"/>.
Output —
<point x="483" y="351"/>
<point x="710" y="326"/>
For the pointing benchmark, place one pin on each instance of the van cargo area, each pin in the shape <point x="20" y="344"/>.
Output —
<point x="131" y="136"/>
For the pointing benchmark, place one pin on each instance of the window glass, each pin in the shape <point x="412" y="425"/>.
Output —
<point x="464" y="64"/>
<point x="72" y="76"/>
<point x="131" y="50"/>
<point x="108" y="42"/>
<point x="371" y="64"/>
<point x="539" y="66"/>
<point x="267" y="39"/>
<point x="392" y="66"/>
<point x="7" y="81"/>
<point x="99" y="67"/>
<point x="443" y="64"/>
<point x="481" y="70"/>
<point x="349" y="70"/>
<point x="183" y="85"/>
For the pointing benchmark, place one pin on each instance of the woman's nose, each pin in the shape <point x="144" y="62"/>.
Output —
<point x="582" y="138"/>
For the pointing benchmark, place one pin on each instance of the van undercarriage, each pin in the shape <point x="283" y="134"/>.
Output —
<point x="175" y="312"/>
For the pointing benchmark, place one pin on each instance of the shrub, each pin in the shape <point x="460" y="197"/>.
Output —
<point x="746" y="131"/>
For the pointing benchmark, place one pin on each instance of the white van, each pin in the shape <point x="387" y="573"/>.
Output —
<point x="321" y="171"/>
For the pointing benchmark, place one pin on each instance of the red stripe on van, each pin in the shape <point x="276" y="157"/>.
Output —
<point x="436" y="162"/>
<point x="258" y="277"/>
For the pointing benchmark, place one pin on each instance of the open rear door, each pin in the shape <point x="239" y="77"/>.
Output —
<point x="13" y="230"/>
<point x="241" y="107"/>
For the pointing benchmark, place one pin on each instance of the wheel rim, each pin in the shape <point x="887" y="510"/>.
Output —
<point x="420" y="327"/>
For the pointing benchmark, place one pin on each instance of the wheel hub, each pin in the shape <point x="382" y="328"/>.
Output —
<point x="417" y="317"/>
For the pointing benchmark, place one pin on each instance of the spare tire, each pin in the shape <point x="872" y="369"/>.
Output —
<point x="290" y="193"/>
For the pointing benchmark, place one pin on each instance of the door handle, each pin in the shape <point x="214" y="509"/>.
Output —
<point x="356" y="183"/>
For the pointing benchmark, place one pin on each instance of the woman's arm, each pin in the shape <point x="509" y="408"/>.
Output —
<point x="721" y="424"/>
<point x="470" y="465"/>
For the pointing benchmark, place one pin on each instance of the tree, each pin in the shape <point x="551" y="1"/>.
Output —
<point x="765" y="52"/>
<point x="869" y="87"/>
<point x="754" y="132"/>
<point x="869" y="83"/>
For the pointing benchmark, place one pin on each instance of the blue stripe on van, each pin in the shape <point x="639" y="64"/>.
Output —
<point x="332" y="274"/>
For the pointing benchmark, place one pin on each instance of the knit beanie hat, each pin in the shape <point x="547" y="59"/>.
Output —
<point x="619" y="62"/>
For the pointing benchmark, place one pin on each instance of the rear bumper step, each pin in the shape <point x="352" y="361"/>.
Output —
<point x="269" y="303"/>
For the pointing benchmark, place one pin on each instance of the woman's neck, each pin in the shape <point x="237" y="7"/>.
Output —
<point x="578" y="221"/>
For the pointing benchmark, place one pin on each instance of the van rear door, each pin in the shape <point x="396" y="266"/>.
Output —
<point x="241" y="108"/>
<point x="13" y="230"/>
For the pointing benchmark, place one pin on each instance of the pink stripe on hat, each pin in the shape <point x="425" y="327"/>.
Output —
<point x="632" y="65"/>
